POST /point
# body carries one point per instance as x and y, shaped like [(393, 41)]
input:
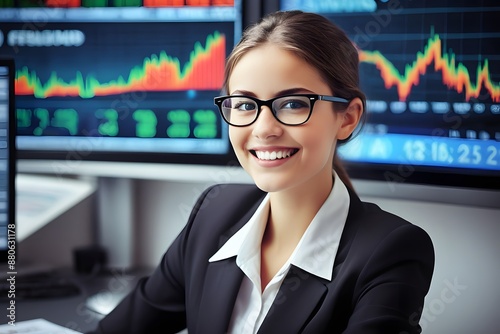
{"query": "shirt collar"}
[(318, 247), (316, 250), (246, 241)]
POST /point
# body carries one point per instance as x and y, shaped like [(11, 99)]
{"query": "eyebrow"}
[(280, 93)]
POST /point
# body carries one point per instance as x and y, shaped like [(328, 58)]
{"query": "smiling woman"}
[(299, 252), (271, 71)]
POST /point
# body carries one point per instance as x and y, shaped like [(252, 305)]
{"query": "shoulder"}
[(231, 192), (368, 218), (222, 209), (384, 267), (372, 231), (227, 199)]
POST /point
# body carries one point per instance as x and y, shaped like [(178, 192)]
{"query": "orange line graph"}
[(454, 74)]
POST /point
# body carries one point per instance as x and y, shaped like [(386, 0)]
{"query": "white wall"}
[(52, 245)]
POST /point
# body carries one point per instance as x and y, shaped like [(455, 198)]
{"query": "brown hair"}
[(316, 40)]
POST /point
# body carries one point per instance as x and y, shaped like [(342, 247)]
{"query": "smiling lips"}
[(274, 155)]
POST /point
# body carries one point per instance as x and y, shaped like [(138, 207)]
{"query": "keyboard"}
[(36, 326), (38, 287)]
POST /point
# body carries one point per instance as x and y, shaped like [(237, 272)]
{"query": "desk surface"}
[(72, 312)]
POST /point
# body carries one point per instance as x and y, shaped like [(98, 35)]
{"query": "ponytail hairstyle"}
[(317, 41)]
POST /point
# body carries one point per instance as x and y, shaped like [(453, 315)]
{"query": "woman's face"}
[(307, 150)]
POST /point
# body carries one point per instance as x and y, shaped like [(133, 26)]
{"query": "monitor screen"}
[(431, 73), (7, 166), (120, 80)]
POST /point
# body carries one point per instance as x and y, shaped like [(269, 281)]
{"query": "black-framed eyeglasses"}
[(296, 109)]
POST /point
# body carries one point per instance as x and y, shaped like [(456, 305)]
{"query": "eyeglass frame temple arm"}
[(333, 99)]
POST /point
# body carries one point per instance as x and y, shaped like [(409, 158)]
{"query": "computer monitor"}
[(121, 80), (431, 73), (7, 166)]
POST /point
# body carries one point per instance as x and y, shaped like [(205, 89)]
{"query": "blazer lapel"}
[(297, 300), (222, 283)]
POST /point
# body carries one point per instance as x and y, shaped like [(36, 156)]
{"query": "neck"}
[(293, 210)]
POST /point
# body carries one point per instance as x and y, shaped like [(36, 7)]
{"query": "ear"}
[(350, 118)]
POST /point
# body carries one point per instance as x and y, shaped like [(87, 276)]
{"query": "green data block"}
[(205, 131), (180, 120), (6, 3), (109, 122), (127, 3), (146, 123), (23, 118), (43, 120), (94, 3), (67, 119)]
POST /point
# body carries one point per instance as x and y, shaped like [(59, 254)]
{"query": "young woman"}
[(298, 252)]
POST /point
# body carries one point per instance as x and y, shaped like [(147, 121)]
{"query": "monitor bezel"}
[(422, 175), (12, 156)]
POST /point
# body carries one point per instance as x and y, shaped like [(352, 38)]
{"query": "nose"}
[(267, 125)]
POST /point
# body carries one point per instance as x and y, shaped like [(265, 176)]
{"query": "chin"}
[(270, 183)]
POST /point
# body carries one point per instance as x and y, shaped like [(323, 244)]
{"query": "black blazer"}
[(382, 272)]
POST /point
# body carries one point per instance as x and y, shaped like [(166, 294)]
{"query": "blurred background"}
[(110, 131)]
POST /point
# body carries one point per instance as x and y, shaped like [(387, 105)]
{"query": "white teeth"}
[(266, 155)]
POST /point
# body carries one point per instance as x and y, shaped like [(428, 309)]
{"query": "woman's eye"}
[(294, 104), (244, 106)]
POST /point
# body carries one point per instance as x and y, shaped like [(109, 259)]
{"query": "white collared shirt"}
[(315, 253)]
